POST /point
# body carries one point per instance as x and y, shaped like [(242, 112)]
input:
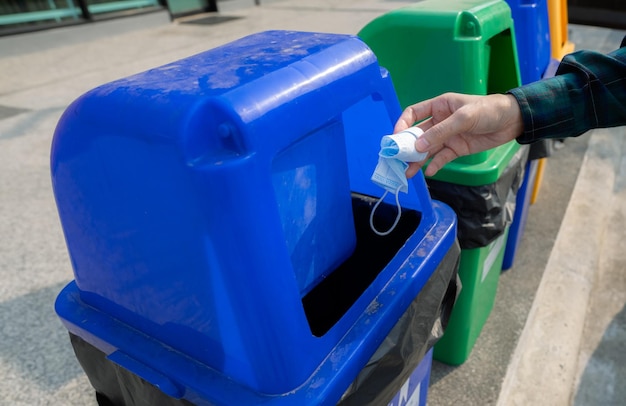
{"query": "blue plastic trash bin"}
[(214, 211), (532, 37)]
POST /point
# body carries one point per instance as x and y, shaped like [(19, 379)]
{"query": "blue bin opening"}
[(329, 300)]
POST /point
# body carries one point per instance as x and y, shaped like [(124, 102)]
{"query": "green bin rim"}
[(486, 172)]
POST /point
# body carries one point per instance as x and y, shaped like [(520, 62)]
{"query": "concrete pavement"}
[(558, 329)]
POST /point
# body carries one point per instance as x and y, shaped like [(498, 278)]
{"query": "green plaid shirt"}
[(588, 91)]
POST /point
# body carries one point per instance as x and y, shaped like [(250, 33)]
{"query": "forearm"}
[(588, 91)]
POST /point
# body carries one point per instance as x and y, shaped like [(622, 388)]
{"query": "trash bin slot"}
[(502, 62), (325, 304), (146, 373), (117, 384)]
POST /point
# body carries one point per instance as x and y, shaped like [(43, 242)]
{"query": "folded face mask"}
[(395, 151)]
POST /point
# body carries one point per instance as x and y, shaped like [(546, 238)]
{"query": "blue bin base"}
[(397, 367), (415, 389), (397, 374), (107, 378), (521, 214)]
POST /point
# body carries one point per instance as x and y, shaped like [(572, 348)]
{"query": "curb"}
[(543, 366)]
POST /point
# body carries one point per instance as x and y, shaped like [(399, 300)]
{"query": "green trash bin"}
[(464, 46), (485, 213)]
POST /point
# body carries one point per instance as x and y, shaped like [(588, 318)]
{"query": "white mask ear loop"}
[(395, 223)]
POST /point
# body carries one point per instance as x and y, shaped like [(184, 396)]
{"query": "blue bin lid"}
[(161, 183)]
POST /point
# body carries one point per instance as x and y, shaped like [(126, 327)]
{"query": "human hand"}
[(458, 124)]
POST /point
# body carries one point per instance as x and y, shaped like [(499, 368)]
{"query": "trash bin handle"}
[(146, 373)]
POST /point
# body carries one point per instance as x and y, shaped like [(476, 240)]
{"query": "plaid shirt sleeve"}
[(588, 91)]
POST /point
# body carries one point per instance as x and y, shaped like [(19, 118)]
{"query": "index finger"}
[(413, 114)]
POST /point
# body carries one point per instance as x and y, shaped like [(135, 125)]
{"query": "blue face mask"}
[(395, 151)]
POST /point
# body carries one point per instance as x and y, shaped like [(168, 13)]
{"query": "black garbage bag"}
[(485, 211), (541, 149)]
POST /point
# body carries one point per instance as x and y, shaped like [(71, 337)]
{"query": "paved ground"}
[(558, 330)]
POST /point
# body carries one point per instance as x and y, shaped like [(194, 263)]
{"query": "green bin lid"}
[(438, 46)]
